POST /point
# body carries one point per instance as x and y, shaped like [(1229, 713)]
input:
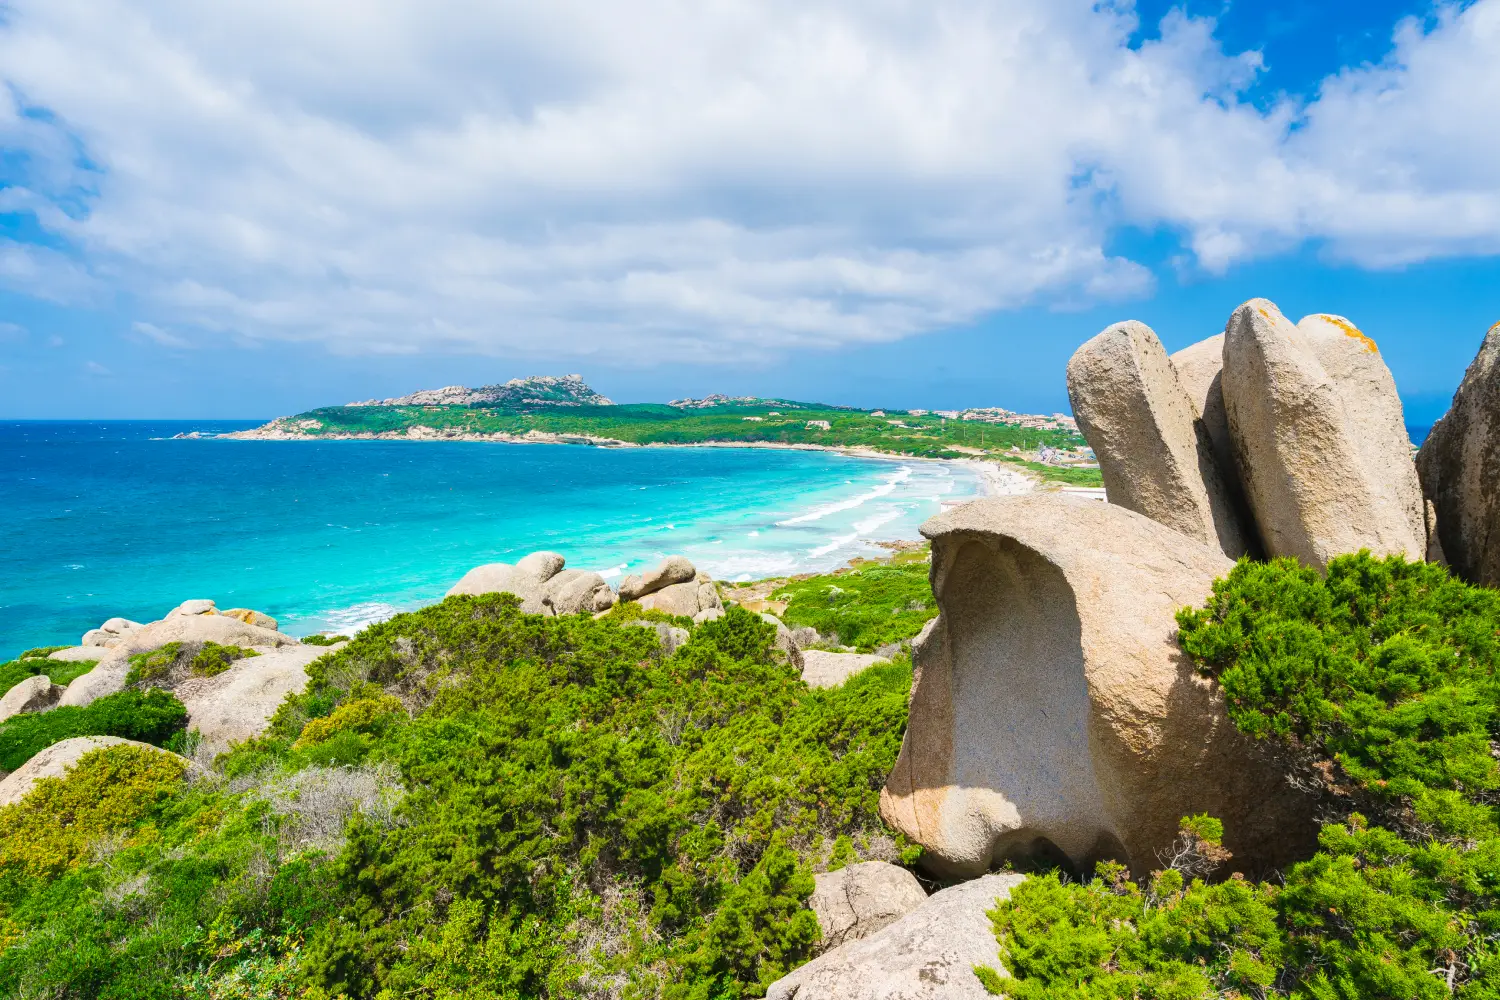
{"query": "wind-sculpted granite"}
[(525, 580), (1053, 712), (928, 954), (1316, 490), (1155, 455), (238, 704), (856, 901), (1460, 470), (34, 694)]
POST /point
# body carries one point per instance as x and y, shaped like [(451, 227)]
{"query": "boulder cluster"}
[(1053, 713)]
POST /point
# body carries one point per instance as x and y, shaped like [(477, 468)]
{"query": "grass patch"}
[(869, 606), (176, 660)]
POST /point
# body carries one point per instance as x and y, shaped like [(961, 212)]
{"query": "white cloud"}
[(670, 180), (95, 368), (12, 333), (157, 335)]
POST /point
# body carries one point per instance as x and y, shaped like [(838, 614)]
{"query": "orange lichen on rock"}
[(1350, 330)]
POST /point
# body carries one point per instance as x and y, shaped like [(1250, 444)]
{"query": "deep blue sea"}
[(118, 518)]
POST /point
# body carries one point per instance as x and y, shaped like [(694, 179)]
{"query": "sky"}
[(254, 207)]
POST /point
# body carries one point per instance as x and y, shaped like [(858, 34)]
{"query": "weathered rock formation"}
[(1460, 468), (35, 694), (854, 902), (1155, 455), (671, 570), (525, 579), (673, 587), (54, 761), (1323, 470), (575, 590), (1374, 412), (929, 954), (823, 669), (237, 705), (1053, 712)]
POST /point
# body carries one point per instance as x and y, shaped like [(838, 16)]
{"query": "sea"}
[(128, 518)]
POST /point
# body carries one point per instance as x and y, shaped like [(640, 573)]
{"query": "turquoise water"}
[(105, 519)]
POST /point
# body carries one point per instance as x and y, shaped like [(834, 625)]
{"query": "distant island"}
[(563, 409)]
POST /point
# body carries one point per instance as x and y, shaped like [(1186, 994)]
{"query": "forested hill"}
[(1050, 445)]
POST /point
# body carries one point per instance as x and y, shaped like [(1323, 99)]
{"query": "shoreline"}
[(995, 478)]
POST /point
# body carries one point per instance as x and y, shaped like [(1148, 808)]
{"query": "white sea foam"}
[(359, 616), (884, 489), (869, 524), (834, 544)]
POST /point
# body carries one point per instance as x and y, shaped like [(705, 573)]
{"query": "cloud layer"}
[(705, 181)]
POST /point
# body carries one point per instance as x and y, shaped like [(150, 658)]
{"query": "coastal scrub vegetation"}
[(58, 671), (153, 717), (869, 605), (184, 659), (470, 801), (1378, 685), (924, 436)]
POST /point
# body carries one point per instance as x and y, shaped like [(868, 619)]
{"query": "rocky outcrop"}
[(1155, 455), (1053, 713), (114, 665), (35, 694), (674, 587), (928, 954), (854, 902), (1311, 482), (525, 579), (1460, 469), (575, 590), (1374, 413), (251, 617), (822, 669), (54, 761), (237, 705), (77, 654), (784, 640), (671, 570)]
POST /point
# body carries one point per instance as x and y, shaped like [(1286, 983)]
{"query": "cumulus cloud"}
[(706, 182)]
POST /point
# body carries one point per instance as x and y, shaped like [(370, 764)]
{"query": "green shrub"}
[(1379, 684), (41, 651), (206, 659), (866, 608), (58, 671), (149, 717), (323, 640), (580, 809), (107, 790)]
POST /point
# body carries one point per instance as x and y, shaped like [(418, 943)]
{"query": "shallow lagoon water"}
[(118, 518)]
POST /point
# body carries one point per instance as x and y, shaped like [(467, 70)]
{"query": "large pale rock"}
[(928, 954), (202, 628), (671, 570), (856, 901), (541, 566), (503, 578), (35, 694), (677, 599), (107, 678), (251, 617), (1154, 453), (54, 761), (1298, 452), (1460, 467), (236, 705), (1373, 410), (77, 654), (1200, 369), (575, 590), (1052, 711), (822, 669), (119, 625), (200, 606)]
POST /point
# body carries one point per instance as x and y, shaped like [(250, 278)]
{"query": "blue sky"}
[(250, 208)]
